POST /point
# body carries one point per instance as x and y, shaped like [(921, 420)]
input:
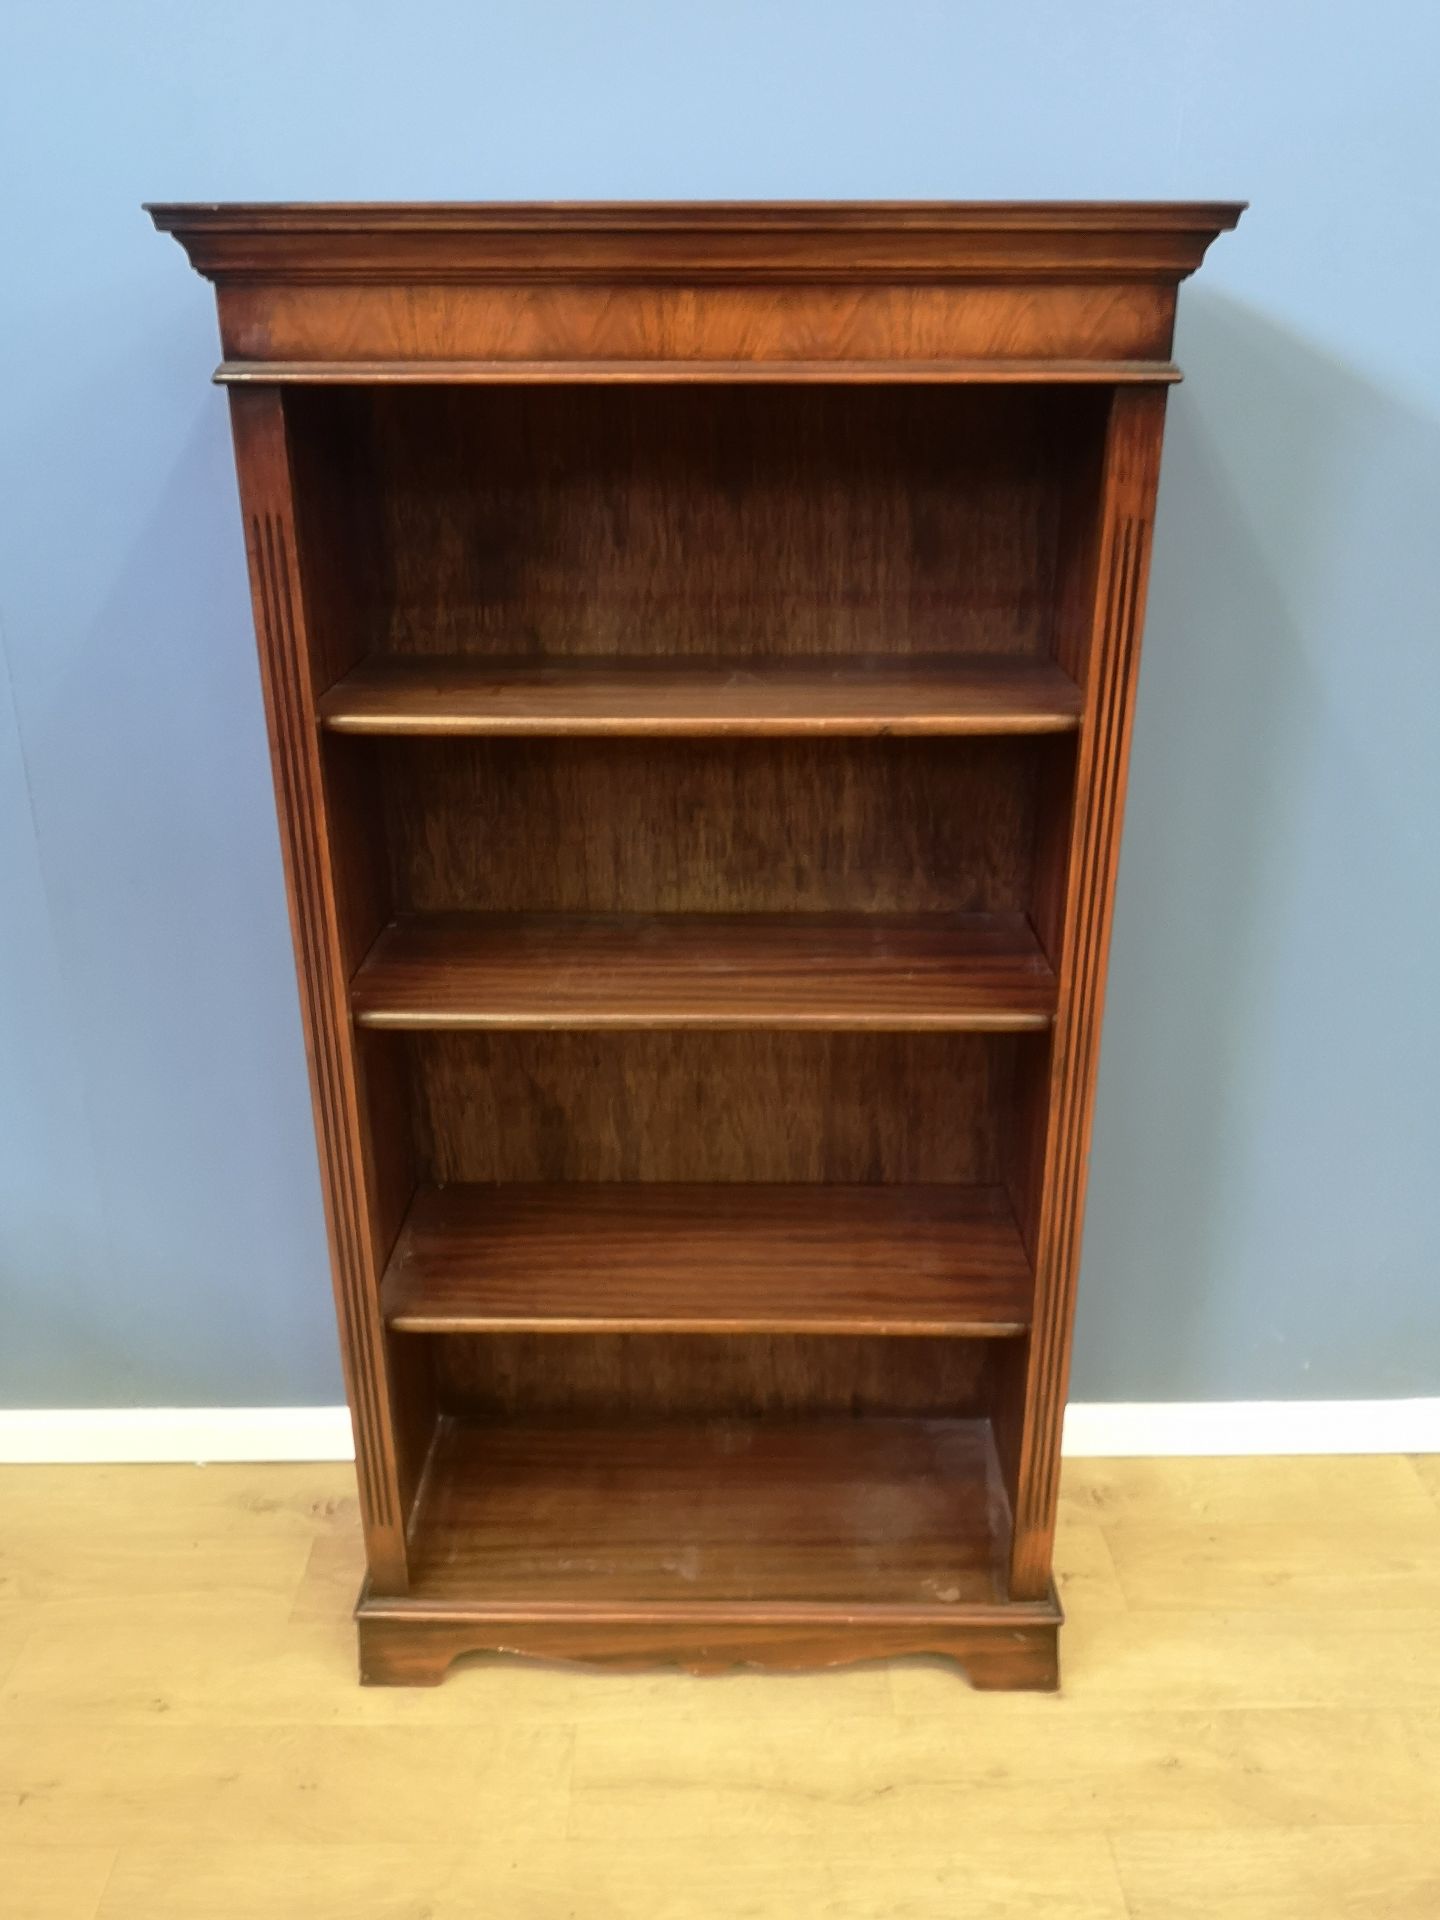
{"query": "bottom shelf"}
[(859, 1512), (777, 1544)]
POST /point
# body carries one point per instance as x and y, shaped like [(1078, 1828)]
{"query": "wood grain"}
[(851, 973), (874, 695), (890, 1512), (719, 1259), (695, 322), (712, 826), (990, 371), (863, 283), (733, 522), (600, 1379), (57, 1883), (1337, 1873), (316, 925), (846, 1108), (1010, 1648), (730, 1107), (1068, 1877), (882, 239), (1111, 666), (1023, 1768)]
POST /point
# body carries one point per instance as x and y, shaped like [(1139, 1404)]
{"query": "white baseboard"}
[(1092, 1431), (67, 1437), (1104, 1430)]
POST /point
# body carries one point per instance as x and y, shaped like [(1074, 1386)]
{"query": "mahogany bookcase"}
[(698, 646)]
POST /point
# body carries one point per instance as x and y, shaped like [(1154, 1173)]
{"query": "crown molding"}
[(725, 241)]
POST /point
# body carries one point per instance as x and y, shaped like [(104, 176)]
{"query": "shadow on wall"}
[(1240, 1187)]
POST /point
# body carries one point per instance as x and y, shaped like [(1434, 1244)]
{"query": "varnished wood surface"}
[(405, 1644), (628, 217), (597, 1379), (845, 1108), (885, 240), (901, 1512), (802, 826), (694, 320), (859, 696), (1109, 640), (577, 286), (787, 488), (694, 523), (385, 1465), (720, 1259), (1249, 1726), (961, 973), (976, 372)]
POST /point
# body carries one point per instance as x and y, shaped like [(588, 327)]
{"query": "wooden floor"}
[(1249, 1728)]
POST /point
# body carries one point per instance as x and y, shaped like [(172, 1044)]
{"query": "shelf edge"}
[(976, 372), (382, 1019), (435, 1325)]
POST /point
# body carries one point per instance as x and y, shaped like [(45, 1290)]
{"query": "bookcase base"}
[(1003, 1648)]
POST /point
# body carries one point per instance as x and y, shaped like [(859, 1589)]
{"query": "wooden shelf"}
[(933, 972), (854, 696), (889, 1512), (710, 1259)]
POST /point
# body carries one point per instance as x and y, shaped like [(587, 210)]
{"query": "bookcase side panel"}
[(342, 1134), (1107, 664)]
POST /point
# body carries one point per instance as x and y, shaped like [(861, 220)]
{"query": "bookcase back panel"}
[(679, 521), (871, 1108), (715, 826), (656, 1376)]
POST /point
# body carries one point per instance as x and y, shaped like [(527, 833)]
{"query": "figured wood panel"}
[(860, 695), (714, 826), (789, 322), (849, 1108), (854, 1511), (853, 972), (719, 1259), (715, 522)]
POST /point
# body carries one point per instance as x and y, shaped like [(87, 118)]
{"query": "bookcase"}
[(698, 646)]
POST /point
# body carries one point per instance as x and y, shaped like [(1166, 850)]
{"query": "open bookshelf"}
[(699, 646)]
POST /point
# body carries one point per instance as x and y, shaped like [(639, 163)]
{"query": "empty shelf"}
[(933, 972), (898, 1512), (710, 1259), (843, 696)]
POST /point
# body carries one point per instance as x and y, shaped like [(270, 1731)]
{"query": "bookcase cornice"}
[(745, 242)]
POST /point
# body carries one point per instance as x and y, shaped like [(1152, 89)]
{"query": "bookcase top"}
[(733, 240)]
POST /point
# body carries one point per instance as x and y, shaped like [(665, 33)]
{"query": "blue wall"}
[(1263, 1218)]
